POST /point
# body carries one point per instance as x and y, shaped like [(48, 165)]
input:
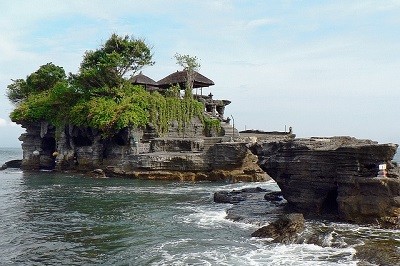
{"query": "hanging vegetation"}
[(100, 96)]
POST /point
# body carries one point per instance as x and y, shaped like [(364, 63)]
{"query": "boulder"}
[(11, 164), (228, 197), (98, 173), (235, 196), (273, 196), (283, 230)]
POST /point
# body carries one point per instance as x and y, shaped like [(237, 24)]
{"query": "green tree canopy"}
[(43, 79), (100, 96), (107, 67)]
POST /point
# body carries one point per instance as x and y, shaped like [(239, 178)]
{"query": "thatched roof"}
[(179, 77), (143, 80)]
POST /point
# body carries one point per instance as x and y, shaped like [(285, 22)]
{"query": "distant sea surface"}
[(50, 218)]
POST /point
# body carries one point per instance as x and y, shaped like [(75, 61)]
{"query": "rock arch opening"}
[(81, 141), (48, 147), (330, 205)]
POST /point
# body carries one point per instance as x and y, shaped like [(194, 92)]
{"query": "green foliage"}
[(44, 79), (52, 105), (107, 67), (135, 107), (164, 110), (101, 97), (211, 125), (190, 64), (187, 62), (17, 91), (112, 114)]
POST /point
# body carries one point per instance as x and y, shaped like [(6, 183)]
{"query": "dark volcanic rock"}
[(11, 164), (249, 205), (335, 177), (284, 230), (134, 152), (235, 196), (273, 196), (378, 252), (98, 173), (228, 197)]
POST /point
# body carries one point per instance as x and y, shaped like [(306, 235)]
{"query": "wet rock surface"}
[(236, 196), (378, 252), (285, 229), (11, 164), (274, 196), (250, 205), (98, 173)]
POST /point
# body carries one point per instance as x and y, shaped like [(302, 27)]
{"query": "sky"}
[(325, 68)]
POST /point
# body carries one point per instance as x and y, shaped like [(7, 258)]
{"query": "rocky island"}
[(106, 122), (336, 176), (118, 122)]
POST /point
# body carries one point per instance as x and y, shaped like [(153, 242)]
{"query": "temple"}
[(194, 153), (213, 108)]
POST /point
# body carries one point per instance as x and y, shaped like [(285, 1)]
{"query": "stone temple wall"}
[(84, 148)]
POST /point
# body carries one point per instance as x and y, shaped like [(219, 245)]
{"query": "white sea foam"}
[(13, 171), (256, 253), (300, 254), (212, 216), (237, 186)]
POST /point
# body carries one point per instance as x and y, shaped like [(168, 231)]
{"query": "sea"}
[(51, 218)]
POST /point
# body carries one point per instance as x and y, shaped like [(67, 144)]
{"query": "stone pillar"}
[(221, 110), (214, 110), (31, 143)]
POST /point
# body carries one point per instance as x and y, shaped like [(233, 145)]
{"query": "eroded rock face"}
[(238, 164), (335, 177), (137, 153), (38, 146)]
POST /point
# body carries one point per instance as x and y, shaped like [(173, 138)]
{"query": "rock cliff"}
[(335, 177), (139, 153)]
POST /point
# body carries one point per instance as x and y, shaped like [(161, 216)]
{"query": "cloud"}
[(279, 63), (261, 22), (3, 122)]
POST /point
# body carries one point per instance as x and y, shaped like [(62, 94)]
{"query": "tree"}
[(190, 64), (43, 79), (100, 96), (17, 91), (107, 67)]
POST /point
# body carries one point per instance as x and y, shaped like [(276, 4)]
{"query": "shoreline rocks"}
[(285, 229), (235, 196), (251, 205), (11, 164), (335, 178), (137, 153)]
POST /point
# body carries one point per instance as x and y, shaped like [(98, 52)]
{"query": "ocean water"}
[(50, 218)]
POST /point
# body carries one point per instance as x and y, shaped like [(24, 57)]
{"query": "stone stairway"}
[(229, 130), (229, 134), (211, 141)]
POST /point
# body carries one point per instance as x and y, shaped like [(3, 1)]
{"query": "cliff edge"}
[(340, 177), (137, 153)]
